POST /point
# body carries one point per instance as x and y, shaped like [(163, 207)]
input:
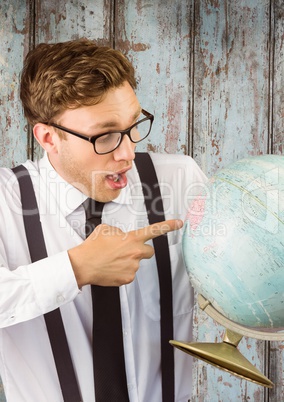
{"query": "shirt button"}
[(60, 299), (124, 332)]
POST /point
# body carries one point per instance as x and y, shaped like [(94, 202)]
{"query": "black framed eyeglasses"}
[(108, 142)]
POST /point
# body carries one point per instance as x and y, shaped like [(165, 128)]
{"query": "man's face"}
[(99, 176)]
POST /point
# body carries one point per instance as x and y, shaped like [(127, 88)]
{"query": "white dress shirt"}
[(28, 290)]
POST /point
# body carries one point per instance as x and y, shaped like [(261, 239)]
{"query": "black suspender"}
[(155, 210), (53, 319)]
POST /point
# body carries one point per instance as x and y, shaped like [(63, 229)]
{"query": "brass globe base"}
[(226, 357)]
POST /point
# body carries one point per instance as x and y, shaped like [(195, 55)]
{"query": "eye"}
[(108, 140), (105, 139)]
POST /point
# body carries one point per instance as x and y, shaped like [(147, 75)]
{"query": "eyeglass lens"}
[(108, 142)]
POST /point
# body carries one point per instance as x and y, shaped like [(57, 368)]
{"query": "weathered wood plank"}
[(14, 35), (231, 81), (58, 20), (277, 44), (155, 36)]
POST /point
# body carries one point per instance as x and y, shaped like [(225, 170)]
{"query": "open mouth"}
[(117, 180), (116, 177)]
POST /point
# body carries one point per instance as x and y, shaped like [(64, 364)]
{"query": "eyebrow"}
[(110, 123)]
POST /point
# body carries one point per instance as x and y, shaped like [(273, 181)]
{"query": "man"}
[(80, 100)]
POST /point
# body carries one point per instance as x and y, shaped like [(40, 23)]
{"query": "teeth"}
[(116, 178)]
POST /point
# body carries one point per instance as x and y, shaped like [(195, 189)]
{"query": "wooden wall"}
[(212, 72)]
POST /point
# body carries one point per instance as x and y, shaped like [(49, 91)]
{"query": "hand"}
[(110, 257)]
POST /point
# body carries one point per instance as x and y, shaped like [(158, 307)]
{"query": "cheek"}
[(80, 151), (90, 162), (80, 155)]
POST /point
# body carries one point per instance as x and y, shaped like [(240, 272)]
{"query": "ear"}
[(47, 137)]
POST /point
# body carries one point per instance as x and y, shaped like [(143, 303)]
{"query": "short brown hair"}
[(68, 75)]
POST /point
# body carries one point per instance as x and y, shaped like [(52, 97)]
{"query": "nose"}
[(125, 151)]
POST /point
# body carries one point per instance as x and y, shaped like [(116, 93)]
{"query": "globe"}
[(233, 242)]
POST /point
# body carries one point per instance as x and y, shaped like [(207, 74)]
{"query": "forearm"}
[(34, 289)]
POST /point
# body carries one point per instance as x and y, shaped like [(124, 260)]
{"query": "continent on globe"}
[(233, 242)]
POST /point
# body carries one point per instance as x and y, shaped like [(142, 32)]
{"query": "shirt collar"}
[(68, 197)]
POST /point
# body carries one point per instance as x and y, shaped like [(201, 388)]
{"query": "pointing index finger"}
[(159, 228)]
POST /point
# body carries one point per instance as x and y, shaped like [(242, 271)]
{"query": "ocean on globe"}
[(233, 242)]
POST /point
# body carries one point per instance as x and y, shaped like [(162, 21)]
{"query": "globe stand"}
[(225, 355)]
